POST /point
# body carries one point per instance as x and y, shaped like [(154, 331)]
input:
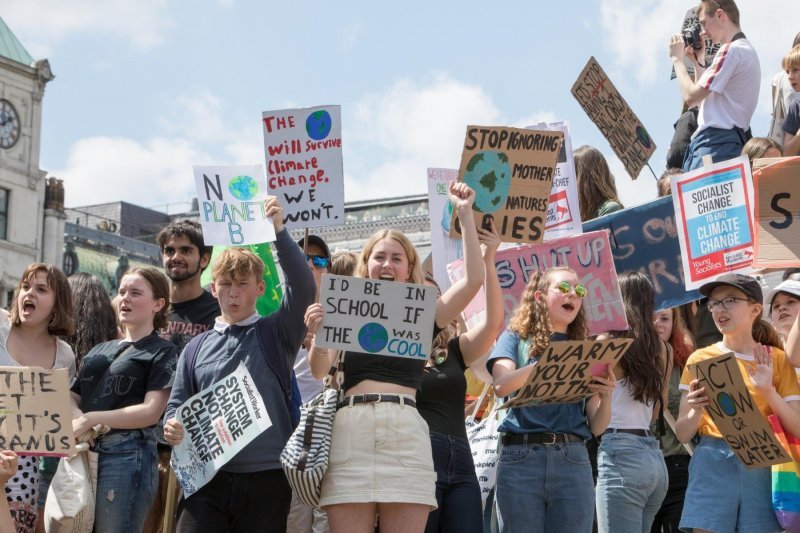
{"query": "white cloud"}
[(42, 24)]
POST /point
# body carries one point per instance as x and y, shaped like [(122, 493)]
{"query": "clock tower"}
[(29, 217)]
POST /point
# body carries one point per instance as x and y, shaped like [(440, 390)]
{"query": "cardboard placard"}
[(735, 413), (714, 215), (645, 239), (611, 113), (218, 422), (377, 317), (36, 411), (562, 374), (303, 149), (511, 171), (777, 239), (232, 205), (589, 254), (444, 248)]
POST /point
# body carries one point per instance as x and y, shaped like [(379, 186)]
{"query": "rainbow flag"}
[(786, 480)]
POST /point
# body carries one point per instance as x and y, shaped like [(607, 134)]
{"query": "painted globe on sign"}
[(489, 175), (447, 217), (726, 403), (372, 337), (243, 187), (318, 125)]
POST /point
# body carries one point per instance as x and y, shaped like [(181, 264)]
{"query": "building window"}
[(4, 213)]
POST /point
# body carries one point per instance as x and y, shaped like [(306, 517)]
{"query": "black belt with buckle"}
[(540, 438), (637, 432), (377, 398)]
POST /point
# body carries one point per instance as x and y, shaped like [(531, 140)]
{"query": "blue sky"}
[(145, 89)]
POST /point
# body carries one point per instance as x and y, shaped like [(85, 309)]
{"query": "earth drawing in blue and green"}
[(726, 403), (243, 187), (373, 337), (318, 124), (488, 173)]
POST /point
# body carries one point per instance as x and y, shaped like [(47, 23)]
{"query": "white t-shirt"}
[(309, 387), (733, 79)]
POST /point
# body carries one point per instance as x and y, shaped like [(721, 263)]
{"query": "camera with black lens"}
[(691, 37)]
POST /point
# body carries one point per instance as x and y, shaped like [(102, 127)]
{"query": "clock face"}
[(9, 124)]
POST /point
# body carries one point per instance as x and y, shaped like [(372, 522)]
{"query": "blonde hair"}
[(595, 181), (756, 147), (531, 318), (343, 263), (792, 59), (414, 270), (237, 263)]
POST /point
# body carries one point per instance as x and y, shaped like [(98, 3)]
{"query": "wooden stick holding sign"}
[(736, 414), (377, 317), (35, 411), (777, 225), (566, 368)]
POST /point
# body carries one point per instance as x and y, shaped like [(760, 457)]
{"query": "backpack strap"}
[(190, 357)]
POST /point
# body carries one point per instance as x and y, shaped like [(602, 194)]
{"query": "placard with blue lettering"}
[(714, 215), (303, 149), (218, 422), (644, 238), (376, 317), (232, 205)]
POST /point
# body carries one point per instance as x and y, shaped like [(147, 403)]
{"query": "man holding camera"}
[(725, 90)]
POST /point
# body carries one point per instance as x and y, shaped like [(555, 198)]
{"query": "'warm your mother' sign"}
[(232, 208), (377, 317)]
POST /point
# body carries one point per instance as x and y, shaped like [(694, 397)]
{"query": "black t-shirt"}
[(118, 374), (190, 318), (440, 399)]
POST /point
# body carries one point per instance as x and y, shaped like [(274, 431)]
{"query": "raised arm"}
[(691, 92)]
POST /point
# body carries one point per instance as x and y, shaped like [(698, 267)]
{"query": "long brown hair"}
[(680, 339), (531, 318), (595, 181), (641, 363), (61, 321)]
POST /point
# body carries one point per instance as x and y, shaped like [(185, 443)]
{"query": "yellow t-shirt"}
[(783, 378)]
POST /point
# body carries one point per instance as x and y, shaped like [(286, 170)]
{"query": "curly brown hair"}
[(531, 318)]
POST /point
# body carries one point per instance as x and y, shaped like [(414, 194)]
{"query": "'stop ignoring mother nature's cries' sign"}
[(303, 149), (714, 215), (376, 317), (616, 120), (777, 242), (511, 171), (232, 208)]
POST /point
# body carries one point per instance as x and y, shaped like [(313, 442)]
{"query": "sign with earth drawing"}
[(615, 118), (303, 149), (511, 171), (376, 317), (232, 205)]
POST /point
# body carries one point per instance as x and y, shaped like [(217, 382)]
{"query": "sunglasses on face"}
[(564, 287), (319, 261)]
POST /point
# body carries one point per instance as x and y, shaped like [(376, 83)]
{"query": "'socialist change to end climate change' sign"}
[(714, 215), (376, 317)]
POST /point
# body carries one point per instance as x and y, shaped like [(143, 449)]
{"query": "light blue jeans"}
[(631, 483), (127, 479), (544, 488)]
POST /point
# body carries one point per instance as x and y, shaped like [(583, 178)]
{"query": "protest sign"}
[(35, 411), (218, 422), (588, 254), (736, 414), (777, 239), (232, 205), (691, 22), (303, 148), (616, 120), (644, 238), (444, 249), (714, 216), (377, 317), (562, 374), (511, 171)]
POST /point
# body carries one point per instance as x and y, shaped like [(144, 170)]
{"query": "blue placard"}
[(645, 238)]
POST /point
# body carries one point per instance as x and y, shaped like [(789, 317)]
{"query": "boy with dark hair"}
[(250, 492)]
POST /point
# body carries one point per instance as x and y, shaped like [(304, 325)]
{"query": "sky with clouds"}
[(146, 89)]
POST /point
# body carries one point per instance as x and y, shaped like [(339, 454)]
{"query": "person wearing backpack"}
[(249, 493)]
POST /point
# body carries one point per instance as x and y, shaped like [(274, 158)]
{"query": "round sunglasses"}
[(564, 287)]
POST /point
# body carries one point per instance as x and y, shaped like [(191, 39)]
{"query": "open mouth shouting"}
[(28, 307)]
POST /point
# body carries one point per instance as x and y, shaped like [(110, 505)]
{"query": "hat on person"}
[(747, 284), (318, 242), (789, 286)]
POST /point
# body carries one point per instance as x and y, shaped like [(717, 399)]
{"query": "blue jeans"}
[(631, 483), (720, 144), (127, 479), (544, 488), (457, 491)]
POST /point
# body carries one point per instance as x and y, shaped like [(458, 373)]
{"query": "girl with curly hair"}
[(544, 478)]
